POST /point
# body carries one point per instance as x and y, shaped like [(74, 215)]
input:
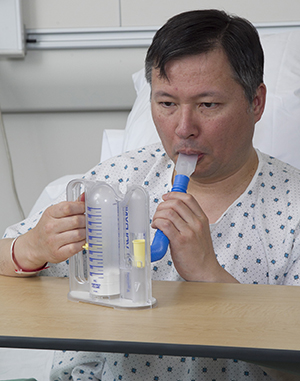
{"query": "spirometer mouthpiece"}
[(185, 166)]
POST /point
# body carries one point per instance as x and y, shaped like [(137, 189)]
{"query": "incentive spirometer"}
[(114, 268)]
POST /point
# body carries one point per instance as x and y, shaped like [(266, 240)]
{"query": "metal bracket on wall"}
[(120, 37)]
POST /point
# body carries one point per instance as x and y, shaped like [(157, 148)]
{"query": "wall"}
[(156, 12), (56, 103), (95, 13)]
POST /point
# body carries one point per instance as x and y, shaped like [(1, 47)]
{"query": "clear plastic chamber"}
[(114, 268)]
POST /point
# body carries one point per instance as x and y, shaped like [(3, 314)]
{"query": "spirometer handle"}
[(160, 242), (76, 262)]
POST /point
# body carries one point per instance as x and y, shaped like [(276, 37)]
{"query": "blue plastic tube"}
[(160, 242)]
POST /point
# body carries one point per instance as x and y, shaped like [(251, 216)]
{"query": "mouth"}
[(192, 152)]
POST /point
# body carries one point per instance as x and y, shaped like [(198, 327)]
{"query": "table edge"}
[(181, 350)]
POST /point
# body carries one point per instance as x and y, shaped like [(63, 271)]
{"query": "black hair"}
[(201, 31)]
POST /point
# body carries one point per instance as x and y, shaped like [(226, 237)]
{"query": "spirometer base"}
[(83, 296)]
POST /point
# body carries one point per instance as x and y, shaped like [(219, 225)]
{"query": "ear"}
[(259, 101)]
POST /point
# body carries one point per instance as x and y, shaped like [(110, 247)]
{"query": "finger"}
[(72, 223), (66, 208), (71, 236), (166, 226), (185, 198), (52, 226), (67, 244), (176, 210), (172, 224), (67, 251)]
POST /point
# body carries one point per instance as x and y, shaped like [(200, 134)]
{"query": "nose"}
[(187, 124)]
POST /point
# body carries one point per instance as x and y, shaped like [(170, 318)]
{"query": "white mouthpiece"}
[(186, 164)]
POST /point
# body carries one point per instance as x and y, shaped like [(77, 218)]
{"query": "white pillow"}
[(278, 132), (140, 129)]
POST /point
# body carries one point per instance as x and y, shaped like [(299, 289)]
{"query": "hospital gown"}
[(256, 240)]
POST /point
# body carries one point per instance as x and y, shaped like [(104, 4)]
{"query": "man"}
[(239, 221)]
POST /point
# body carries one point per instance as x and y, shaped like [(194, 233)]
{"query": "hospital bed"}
[(278, 133)]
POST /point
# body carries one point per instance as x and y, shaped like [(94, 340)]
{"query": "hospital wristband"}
[(17, 267)]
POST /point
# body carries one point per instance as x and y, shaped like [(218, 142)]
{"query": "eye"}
[(209, 104), (167, 104)]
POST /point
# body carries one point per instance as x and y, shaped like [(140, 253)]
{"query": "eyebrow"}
[(162, 93)]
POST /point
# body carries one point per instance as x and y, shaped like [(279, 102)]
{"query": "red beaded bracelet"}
[(17, 267)]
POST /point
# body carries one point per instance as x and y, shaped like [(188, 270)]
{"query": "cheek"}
[(232, 133), (162, 123), (165, 130), (155, 115), (165, 133)]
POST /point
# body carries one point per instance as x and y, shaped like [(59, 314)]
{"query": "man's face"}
[(201, 109)]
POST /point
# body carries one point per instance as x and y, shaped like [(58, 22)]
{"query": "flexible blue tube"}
[(160, 242)]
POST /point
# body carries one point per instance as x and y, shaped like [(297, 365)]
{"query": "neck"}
[(215, 197)]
